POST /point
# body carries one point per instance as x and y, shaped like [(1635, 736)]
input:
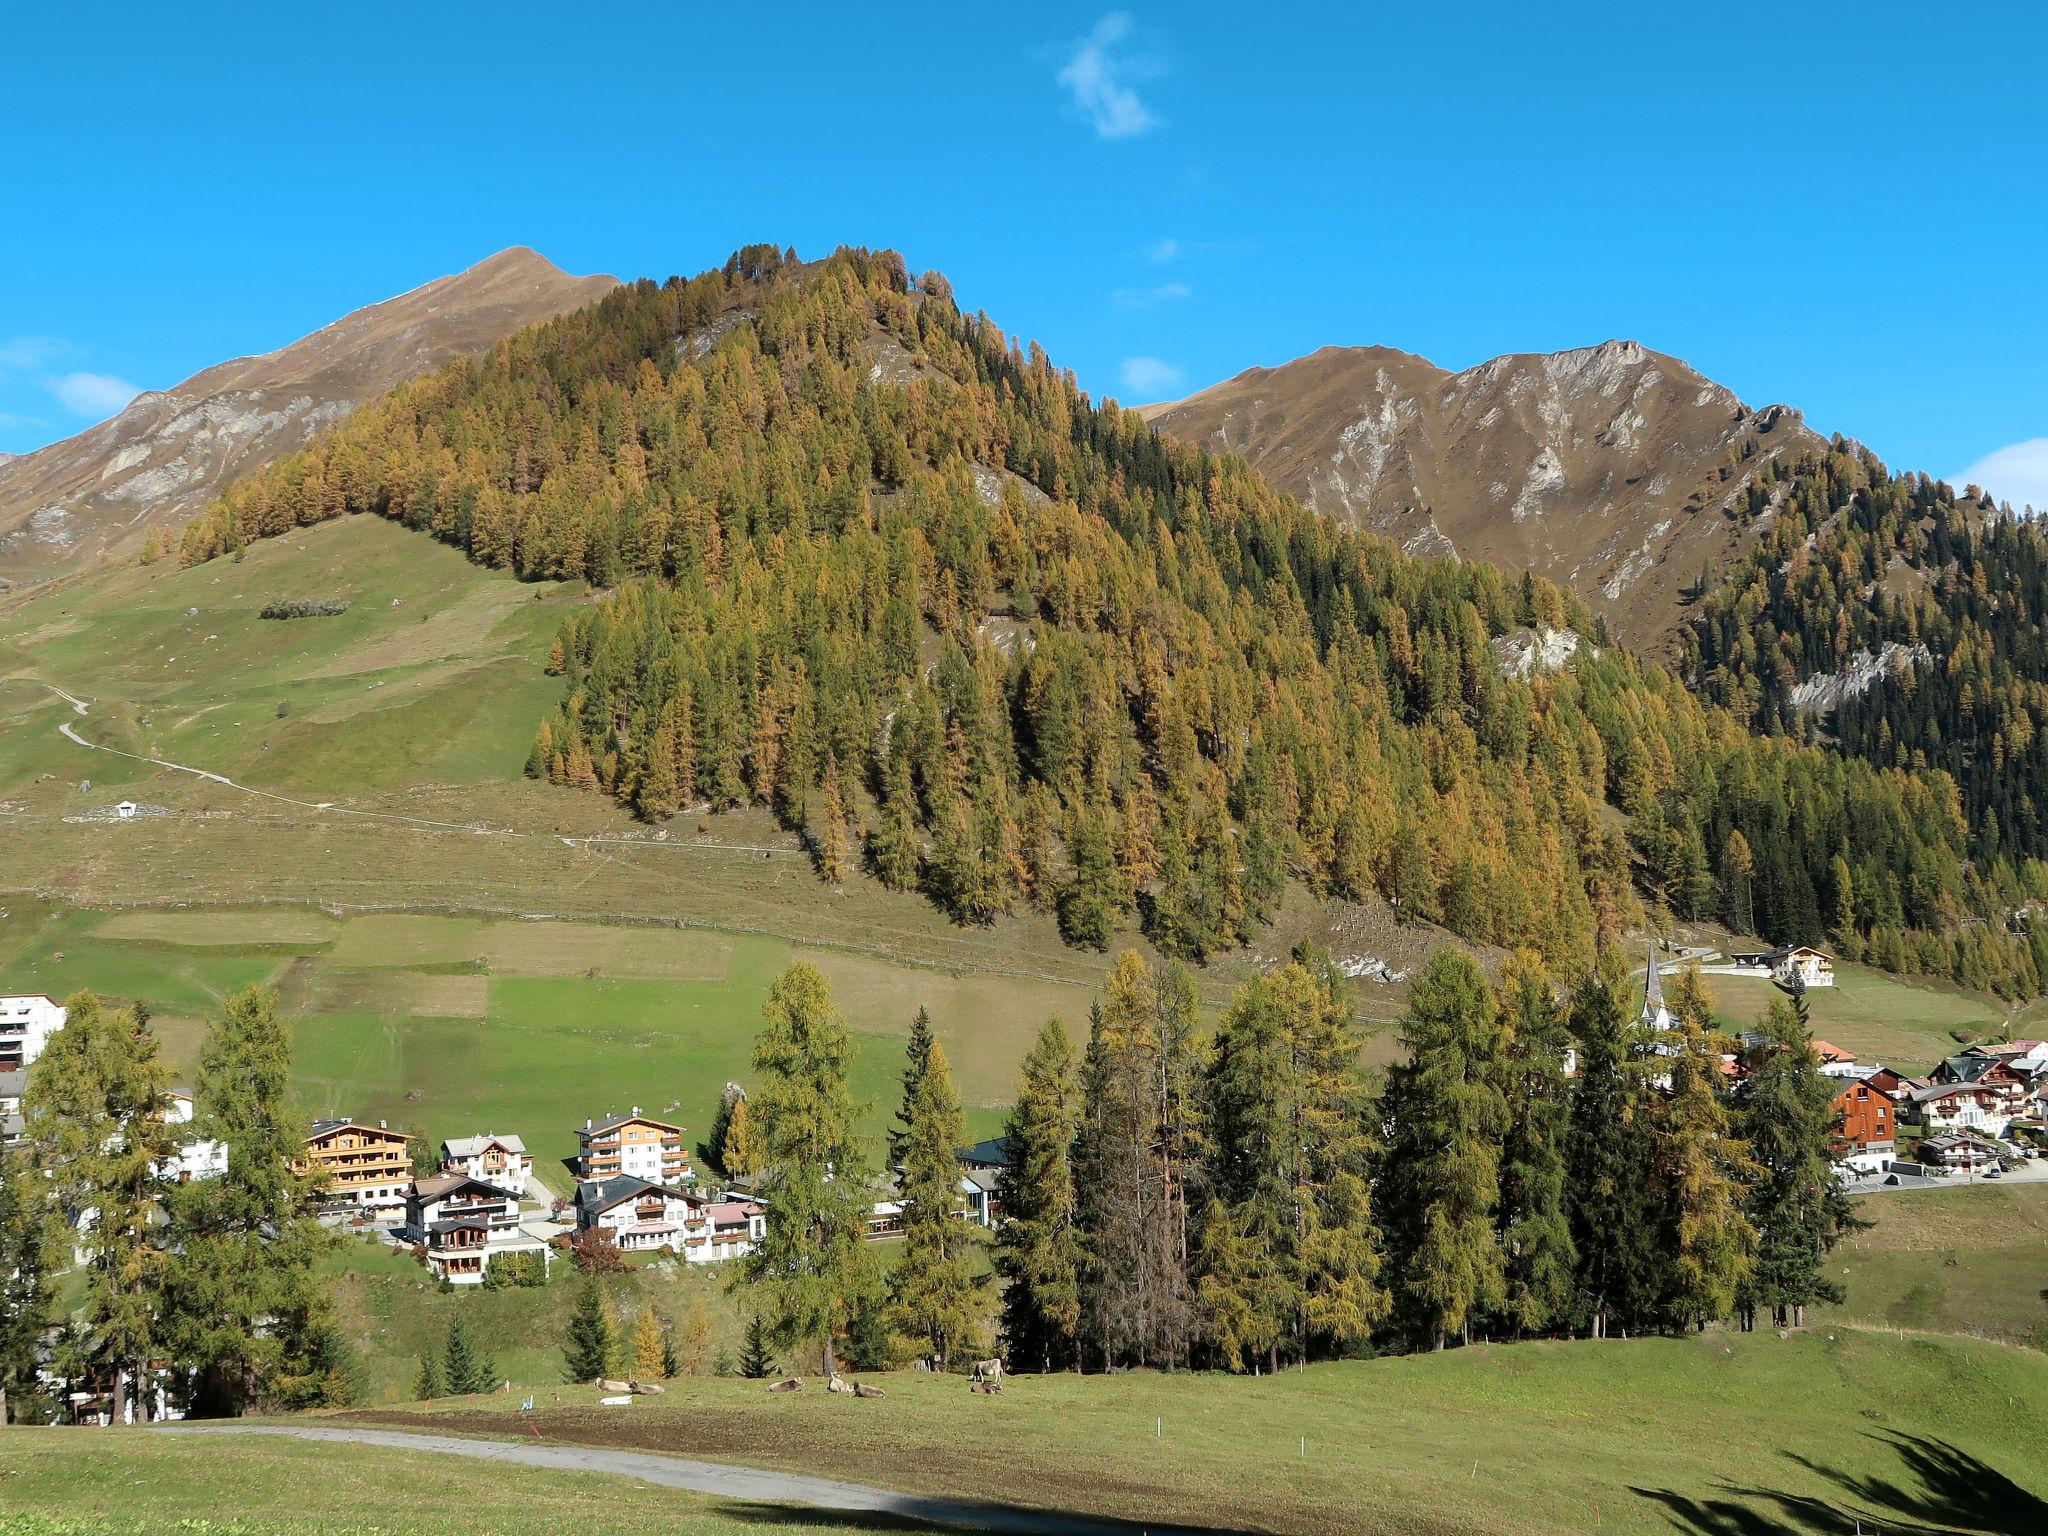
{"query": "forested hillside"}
[(1905, 622), (870, 563)]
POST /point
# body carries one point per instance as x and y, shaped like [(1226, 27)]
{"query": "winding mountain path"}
[(749, 1484)]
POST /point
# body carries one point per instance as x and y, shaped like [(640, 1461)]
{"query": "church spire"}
[(1655, 1014)]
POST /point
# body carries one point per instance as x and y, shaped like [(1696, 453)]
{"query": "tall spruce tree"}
[(1535, 1223), (247, 1244), (917, 1055), (1132, 1159), (96, 1112), (933, 1292), (1038, 1246), (27, 1275), (592, 1346), (1288, 1257), (1446, 1114), (1702, 1170), (1610, 1150), (1787, 1117), (465, 1369), (756, 1358), (811, 1268)]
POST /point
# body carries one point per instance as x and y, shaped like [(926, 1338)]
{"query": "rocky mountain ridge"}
[(162, 458), (1610, 469)]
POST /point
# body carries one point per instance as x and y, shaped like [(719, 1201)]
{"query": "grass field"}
[(1714, 1433), (1969, 1260), (459, 1025), (392, 1312), (1904, 1024), (1718, 1435), (71, 1482)]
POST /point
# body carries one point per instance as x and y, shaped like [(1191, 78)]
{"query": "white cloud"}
[(2018, 474), (1145, 298), (1096, 78), (1163, 251), (1149, 378), (95, 395)]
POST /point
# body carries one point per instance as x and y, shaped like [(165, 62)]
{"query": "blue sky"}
[(1840, 206)]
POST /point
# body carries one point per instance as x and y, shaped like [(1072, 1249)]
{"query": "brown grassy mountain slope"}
[(1605, 468), (165, 456)]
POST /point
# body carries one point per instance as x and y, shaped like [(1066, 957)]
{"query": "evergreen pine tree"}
[(26, 1273), (1447, 1118), (1787, 1117), (755, 1359), (465, 1368), (1701, 1169), (933, 1287), (427, 1385), (1038, 1246), (1090, 904), (593, 1340), (247, 1244), (811, 1266), (892, 843), (917, 1052), (1535, 1224), (1610, 1148), (96, 1123), (1132, 1159)]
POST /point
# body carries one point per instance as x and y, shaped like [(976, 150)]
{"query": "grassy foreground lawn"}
[(1625, 1435), (82, 1482), (1966, 1260)]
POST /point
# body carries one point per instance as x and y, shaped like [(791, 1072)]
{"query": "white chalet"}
[(464, 1224), (193, 1159), (13, 1084), (26, 1024), (494, 1159), (643, 1216), (639, 1214)]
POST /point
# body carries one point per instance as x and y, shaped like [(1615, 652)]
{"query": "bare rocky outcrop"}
[(1605, 468), (169, 452), (1824, 692), (1525, 653)]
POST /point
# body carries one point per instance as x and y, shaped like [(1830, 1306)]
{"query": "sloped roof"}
[(442, 1185), (613, 1122), (329, 1127), (596, 1195), (993, 1153), (472, 1146)]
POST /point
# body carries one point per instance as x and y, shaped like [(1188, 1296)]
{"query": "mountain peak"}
[(170, 451), (1592, 466)]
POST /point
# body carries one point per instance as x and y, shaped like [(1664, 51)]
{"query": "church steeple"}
[(1655, 1014)]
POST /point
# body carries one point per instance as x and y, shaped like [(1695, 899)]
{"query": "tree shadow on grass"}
[(956, 1516), (1939, 1490)]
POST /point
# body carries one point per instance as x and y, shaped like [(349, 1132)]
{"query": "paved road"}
[(749, 1484)]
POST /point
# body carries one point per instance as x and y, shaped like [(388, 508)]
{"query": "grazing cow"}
[(989, 1374)]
